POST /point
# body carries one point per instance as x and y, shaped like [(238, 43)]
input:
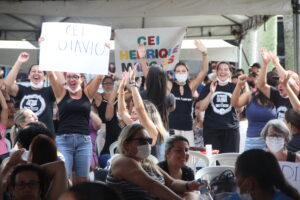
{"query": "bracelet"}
[(133, 84), (187, 186)]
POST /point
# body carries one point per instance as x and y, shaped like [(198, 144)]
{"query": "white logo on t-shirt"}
[(281, 112), (220, 102), (34, 102)]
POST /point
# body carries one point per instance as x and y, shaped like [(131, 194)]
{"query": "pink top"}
[(3, 148)]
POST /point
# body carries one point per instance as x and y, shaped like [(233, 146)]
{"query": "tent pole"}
[(296, 24)]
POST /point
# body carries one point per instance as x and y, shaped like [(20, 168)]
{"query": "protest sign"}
[(291, 172), (162, 46), (73, 47)]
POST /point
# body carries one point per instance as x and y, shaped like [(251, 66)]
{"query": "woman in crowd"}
[(106, 105), (74, 105), (292, 118), (22, 118), (144, 113), (176, 157), (259, 110), (276, 136), (156, 83), (259, 177), (221, 125), (36, 97), (136, 177), (3, 123), (181, 120)]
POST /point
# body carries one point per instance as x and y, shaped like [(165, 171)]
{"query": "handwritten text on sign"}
[(162, 46), (291, 172), (70, 47)]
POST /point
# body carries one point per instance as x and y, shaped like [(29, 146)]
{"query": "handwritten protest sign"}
[(291, 172), (162, 46), (72, 47)]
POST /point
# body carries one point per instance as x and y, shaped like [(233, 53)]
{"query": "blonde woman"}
[(143, 112), (137, 178)]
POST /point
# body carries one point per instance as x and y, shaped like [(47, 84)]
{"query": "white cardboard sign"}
[(74, 47)]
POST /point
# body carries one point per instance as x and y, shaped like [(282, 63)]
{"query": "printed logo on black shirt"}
[(220, 102), (34, 102)]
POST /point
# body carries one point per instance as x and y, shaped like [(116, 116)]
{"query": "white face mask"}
[(223, 82), (37, 86), (73, 91), (143, 151), (275, 144), (181, 77)]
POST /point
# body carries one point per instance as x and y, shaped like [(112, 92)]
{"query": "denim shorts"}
[(77, 150), (255, 143)]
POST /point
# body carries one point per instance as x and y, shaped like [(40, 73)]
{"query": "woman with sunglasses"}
[(143, 112), (74, 106), (136, 177)]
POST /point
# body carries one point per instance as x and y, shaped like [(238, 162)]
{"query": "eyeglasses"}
[(73, 77), (143, 141), (30, 184)]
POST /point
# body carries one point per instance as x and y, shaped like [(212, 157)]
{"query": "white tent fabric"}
[(146, 8)]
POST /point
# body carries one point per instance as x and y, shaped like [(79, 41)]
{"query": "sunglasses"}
[(143, 141)]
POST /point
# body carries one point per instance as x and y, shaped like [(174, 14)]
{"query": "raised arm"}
[(238, 100), (140, 108), (291, 94), (9, 81), (91, 89), (262, 76), (203, 104), (122, 110), (281, 71), (58, 90), (4, 111), (110, 108), (142, 59), (201, 75)]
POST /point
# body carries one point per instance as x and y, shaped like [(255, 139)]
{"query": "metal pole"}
[(296, 25)]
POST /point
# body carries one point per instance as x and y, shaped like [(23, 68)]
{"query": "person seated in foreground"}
[(136, 177), (90, 191), (259, 177), (176, 157), (276, 135)]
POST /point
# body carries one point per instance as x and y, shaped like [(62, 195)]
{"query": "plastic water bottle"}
[(204, 191)]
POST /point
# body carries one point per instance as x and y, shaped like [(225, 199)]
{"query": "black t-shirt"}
[(219, 113), (294, 143), (39, 101), (113, 129), (187, 172), (281, 104)]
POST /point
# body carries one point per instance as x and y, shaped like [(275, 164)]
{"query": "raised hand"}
[(266, 57), (242, 80), (213, 86), (285, 81), (200, 46), (132, 72), (23, 57), (274, 58), (141, 49)]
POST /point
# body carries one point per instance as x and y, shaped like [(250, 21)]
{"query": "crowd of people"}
[(53, 136)]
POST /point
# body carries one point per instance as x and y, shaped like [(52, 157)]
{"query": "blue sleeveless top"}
[(258, 116)]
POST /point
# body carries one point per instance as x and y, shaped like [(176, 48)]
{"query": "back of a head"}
[(43, 150), (31, 130), (265, 169), (292, 116), (93, 191)]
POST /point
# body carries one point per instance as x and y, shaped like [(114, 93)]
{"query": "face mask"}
[(37, 86), (73, 91), (275, 144), (223, 82), (143, 151), (181, 77)]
